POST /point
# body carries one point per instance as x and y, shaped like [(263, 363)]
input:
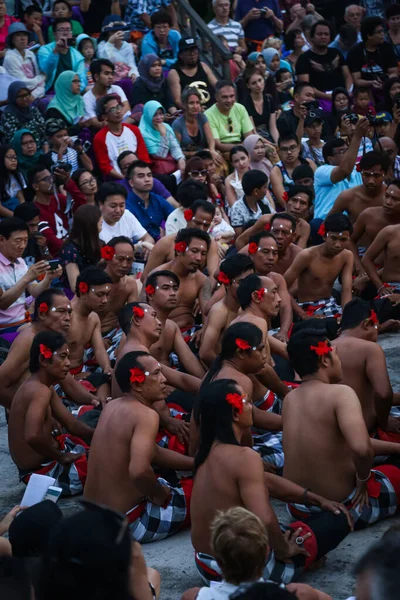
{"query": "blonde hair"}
[(272, 42), (240, 545)]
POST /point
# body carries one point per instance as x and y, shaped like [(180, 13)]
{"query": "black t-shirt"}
[(94, 17), (371, 64), (325, 70), (288, 123), (268, 108)]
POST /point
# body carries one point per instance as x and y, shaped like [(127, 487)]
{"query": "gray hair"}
[(190, 91)]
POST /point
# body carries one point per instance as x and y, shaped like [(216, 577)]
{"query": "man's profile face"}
[(14, 247), (59, 316), (391, 201), (106, 76), (153, 388), (271, 301), (59, 365)]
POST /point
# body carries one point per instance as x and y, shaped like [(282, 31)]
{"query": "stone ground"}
[(174, 557)]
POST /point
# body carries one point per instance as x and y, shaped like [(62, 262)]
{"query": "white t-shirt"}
[(128, 225), (175, 221), (218, 591), (90, 100)]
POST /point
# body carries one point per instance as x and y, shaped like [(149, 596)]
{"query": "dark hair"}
[(252, 180), (237, 149), (76, 175), (301, 189), (355, 312), (120, 239), (287, 137), (46, 296), (95, 66), (32, 8), (224, 83), (286, 217), (368, 26), (186, 93), (137, 164), (111, 188), (235, 265), (126, 313), (123, 155), (189, 191), (187, 235), (204, 154), (195, 162), (300, 85), (50, 339), (281, 72), (338, 222), (84, 232), (204, 205), (247, 286), (92, 276), (257, 237), (26, 211), (330, 146), (261, 590), (159, 17), (215, 417), (15, 582), (392, 11), (302, 171), (60, 20), (11, 224), (102, 102), (317, 23), (336, 92), (372, 159), (153, 278), (395, 182), (381, 561), (248, 73), (361, 89), (53, 126), (290, 37), (348, 34), (34, 171), (304, 360), (130, 360), (62, 2)]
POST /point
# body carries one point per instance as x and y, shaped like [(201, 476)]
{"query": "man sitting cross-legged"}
[(316, 269), (326, 443), (228, 474), (34, 445), (124, 450)]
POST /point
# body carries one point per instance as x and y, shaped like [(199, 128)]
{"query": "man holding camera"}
[(62, 148), (60, 56), (259, 19), (293, 120)]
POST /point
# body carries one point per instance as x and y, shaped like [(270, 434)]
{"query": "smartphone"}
[(86, 145), (70, 42), (54, 264), (53, 493)]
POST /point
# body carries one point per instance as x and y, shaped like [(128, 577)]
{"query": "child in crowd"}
[(363, 103), (284, 86), (312, 147), (33, 19), (220, 228), (62, 9), (114, 47), (87, 46)]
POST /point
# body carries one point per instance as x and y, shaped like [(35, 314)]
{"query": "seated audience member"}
[(26, 149), (52, 204), (21, 278), (36, 248), (61, 150), (21, 114), (304, 175), (254, 202), (289, 150), (217, 169), (222, 24), (192, 129), (294, 44), (259, 150), (189, 71), (120, 485), (87, 46), (346, 39), (239, 157), (260, 105), (12, 182), (29, 536), (223, 407), (338, 173), (87, 185), (150, 209), (151, 85), (33, 20), (161, 40), (60, 56), (316, 269), (34, 407), (196, 170), (303, 96), (114, 48), (283, 226), (346, 453), (67, 103), (300, 200), (160, 140), (341, 105), (312, 147), (81, 249), (6, 22), (116, 220), (229, 121), (363, 104), (21, 63), (139, 21), (61, 9), (115, 136), (102, 71), (188, 192), (383, 124)]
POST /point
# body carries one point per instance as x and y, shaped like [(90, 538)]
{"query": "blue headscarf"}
[(22, 114), (151, 136)]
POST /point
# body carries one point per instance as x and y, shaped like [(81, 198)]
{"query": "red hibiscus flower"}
[(285, 196), (83, 287), (322, 230), (107, 252), (138, 312), (137, 375), (236, 400), (45, 351), (242, 344), (223, 278), (253, 248), (181, 246), (374, 318), (322, 348), (267, 227), (358, 168), (188, 214), (149, 289), (260, 293), (43, 308)]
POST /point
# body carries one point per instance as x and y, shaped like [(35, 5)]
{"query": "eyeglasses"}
[(48, 179), (28, 143), (195, 173), (88, 181), (63, 30), (230, 125), (114, 109), (289, 149), (11, 157)]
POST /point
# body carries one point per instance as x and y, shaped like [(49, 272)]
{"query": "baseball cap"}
[(15, 28), (313, 116), (114, 23), (383, 117), (187, 43)]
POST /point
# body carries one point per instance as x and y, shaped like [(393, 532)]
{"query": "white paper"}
[(36, 489)]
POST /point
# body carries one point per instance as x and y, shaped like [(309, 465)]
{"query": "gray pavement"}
[(174, 557)]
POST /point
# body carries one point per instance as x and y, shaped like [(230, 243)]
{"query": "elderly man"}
[(222, 24), (229, 121), (353, 16)]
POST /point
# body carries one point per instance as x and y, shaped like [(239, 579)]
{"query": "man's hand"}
[(9, 518), (62, 175), (282, 336), (362, 127), (359, 284), (303, 111), (390, 325), (118, 36), (268, 13), (336, 508), (61, 45), (254, 13), (180, 429), (51, 275), (386, 290), (36, 270), (163, 497), (292, 548), (68, 458), (66, 141), (377, 84), (361, 498)]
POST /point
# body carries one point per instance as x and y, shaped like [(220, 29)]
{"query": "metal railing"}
[(212, 50)]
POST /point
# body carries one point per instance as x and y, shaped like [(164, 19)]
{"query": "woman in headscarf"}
[(256, 146), (274, 61), (20, 113), (26, 150), (67, 104), (256, 60), (151, 85), (160, 140)]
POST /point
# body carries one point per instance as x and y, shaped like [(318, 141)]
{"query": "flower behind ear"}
[(322, 230)]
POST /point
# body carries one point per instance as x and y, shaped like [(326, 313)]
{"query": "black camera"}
[(352, 117), (311, 105), (370, 117), (61, 165)]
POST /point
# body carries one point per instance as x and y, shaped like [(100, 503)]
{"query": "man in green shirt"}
[(229, 121)]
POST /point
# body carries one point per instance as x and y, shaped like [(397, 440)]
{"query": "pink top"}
[(4, 30), (10, 274)]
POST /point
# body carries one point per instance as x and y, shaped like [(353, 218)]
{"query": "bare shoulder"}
[(93, 319), (164, 266), (339, 392), (276, 278), (347, 254)]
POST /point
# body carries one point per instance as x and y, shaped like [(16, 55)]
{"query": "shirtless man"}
[(162, 289), (326, 443), (283, 227), (232, 270), (123, 453), (191, 249), (34, 447), (263, 250), (52, 312), (316, 269), (298, 204), (198, 216), (229, 474), (389, 147)]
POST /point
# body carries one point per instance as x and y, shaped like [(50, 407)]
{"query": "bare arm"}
[(285, 312), (210, 337), (341, 203), (277, 184), (358, 232), (72, 272), (377, 246), (133, 291), (347, 278), (76, 392), (270, 379), (99, 349), (305, 230), (273, 128), (184, 382), (168, 459), (264, 419), (186, 356), (210, 75), (376, 371), (69, 422), (36, 415), (205, 294), (13, 368), (158, 256), (348, 80), (230, 192), (299, 265), (175, 87), (349, 159), (213, 260)]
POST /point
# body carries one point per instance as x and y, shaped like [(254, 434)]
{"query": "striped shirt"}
[(232, 31)]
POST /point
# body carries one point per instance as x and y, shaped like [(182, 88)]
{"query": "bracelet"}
[(381, 288), (363, 480), (305, 498)]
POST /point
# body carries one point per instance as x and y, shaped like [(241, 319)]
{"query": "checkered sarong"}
[(71, 478), (150, 523), (270, 402), (269, 447), (114, 337), (326, 307), (382, 499)]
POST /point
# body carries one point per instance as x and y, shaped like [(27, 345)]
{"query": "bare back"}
[(121, 292)]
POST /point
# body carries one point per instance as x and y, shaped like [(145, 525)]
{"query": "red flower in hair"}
[(138, 312), (236, 400), (267, 227), (181, 246), (149, 289), (188, 214), (260, 293), (223, 278), (83, 287), (322, 348), (137, 375), (242, 344), (253, 248), (43, 307), (322, 230), (358, 168), (374, 318), (285, 196), (45, 351), (107, 252)]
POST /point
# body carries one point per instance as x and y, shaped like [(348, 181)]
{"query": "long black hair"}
[(5, 174)]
